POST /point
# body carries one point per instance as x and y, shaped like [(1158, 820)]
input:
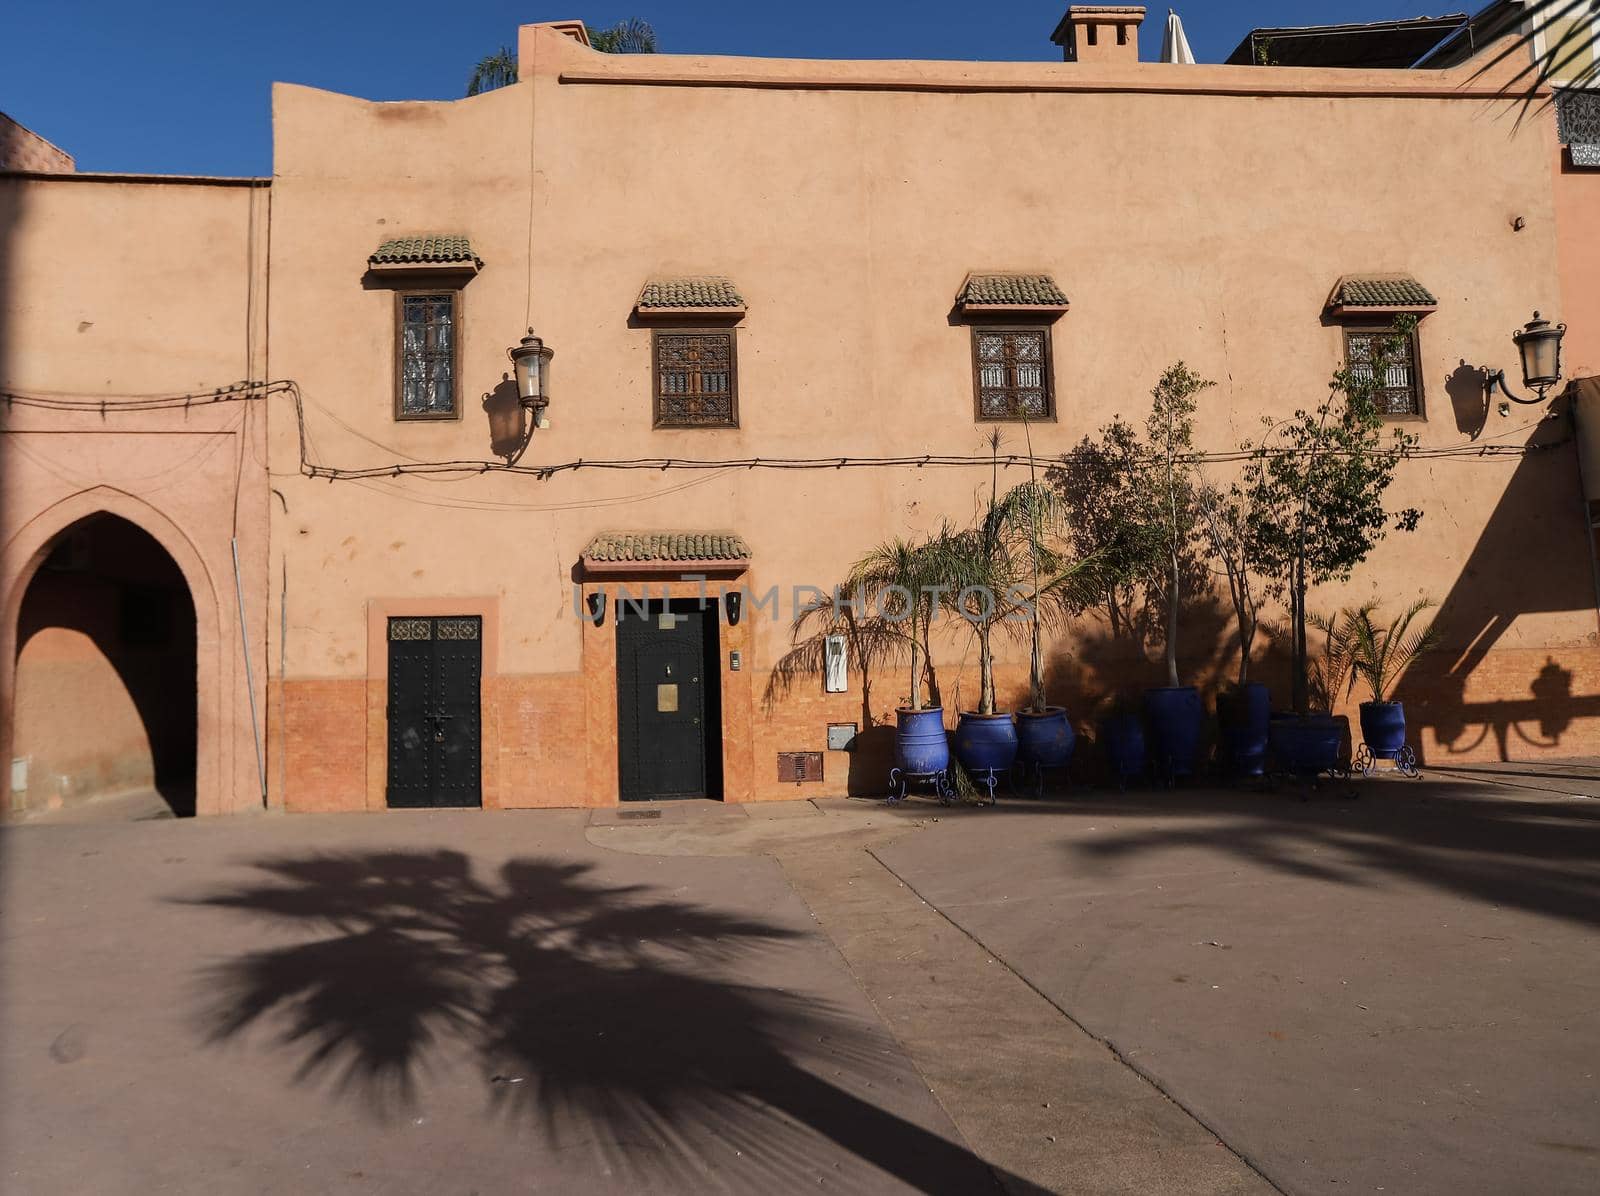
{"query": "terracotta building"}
[(774, 304)]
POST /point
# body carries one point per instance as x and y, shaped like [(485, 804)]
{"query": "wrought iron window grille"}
[(1578, 125), (1400, 392), (696, 378), (1011, 373), (427, 332)]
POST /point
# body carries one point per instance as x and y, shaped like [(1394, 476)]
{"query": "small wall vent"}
[(799, 768)]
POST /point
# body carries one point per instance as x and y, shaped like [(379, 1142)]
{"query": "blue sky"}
[(182, 86)]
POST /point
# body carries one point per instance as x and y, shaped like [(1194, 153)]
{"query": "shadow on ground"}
[(1537, 855), (597, 1013)]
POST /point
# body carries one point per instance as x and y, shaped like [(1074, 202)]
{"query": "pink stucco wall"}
[(23, 149), (1196, 213), (111, 290), (1200, 213)]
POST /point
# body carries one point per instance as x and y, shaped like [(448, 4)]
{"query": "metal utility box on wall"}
[(836, 665), (841, 736), (799, 767)]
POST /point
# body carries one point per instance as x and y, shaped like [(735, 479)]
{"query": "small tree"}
[(1316, 485), (1108, 499), (1170, 429), (1225, 518)]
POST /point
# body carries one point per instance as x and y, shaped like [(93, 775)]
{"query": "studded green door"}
[(435, 666)]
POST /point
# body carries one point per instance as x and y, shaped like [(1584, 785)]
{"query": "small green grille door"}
[(435, 668)]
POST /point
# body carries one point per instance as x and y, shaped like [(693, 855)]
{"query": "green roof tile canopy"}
[(1011, 292), (1382, 293), (617, 548), (707, 293), (430, 252)]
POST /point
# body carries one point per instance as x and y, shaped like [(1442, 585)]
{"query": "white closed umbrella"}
[(1174, 45)]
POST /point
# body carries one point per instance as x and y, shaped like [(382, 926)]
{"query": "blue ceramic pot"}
[(920, 744), (1123, 737), (985, 742), (1045, 739), (1245, 715), (1383, 726), (1176, 718), (1306, 746)]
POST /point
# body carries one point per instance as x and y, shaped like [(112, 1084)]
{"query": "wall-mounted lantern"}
[(1539, 345), (597, 607), (733, 603), (531, 360)]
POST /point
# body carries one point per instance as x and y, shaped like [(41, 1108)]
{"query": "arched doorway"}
[(105, 685)]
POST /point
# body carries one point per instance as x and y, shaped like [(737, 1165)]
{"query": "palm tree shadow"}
[(596, 1012)]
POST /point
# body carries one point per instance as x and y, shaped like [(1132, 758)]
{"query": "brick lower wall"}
[(319, 744), (330, 738)]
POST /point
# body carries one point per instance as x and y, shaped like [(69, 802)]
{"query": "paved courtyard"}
[(1397, 993), (1185, 993)]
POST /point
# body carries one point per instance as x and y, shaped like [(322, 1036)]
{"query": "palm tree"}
[(900, 578), (1565, 29), (630, 36), (1331, 676), (497, 70), (1010, 572), (1380, 655), (872, 640)]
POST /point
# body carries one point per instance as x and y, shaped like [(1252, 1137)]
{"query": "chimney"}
[(1100, 33)]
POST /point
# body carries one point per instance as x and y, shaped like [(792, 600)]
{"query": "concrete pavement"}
[(1396, 993), (435, 1003), (1181, 993)]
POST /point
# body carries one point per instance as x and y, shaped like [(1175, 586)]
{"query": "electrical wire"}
[(311, 462)]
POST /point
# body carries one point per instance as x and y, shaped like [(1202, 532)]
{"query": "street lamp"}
[(531, 360), (1539, 344)]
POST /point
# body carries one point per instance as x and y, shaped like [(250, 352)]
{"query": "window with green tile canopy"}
[(1011, 373), (427, 331)]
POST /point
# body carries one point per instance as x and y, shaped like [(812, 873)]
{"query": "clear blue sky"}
[(182, 86)]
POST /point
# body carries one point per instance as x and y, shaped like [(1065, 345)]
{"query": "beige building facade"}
[(767, 285)]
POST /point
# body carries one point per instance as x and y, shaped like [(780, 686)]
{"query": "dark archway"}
[(105, 672)]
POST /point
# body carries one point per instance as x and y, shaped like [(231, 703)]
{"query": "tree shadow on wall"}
[(875, 650), (1531, 558), (594, 1012), (1103, 673)]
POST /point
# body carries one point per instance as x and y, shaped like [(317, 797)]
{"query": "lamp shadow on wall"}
[(600, 1017), (1532, 558), (510, 428), (1468, 389)]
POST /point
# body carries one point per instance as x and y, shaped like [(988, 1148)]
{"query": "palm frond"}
[(494, 70), (1331, 673), (1381, 654), (632, 35), (1566, 28)]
